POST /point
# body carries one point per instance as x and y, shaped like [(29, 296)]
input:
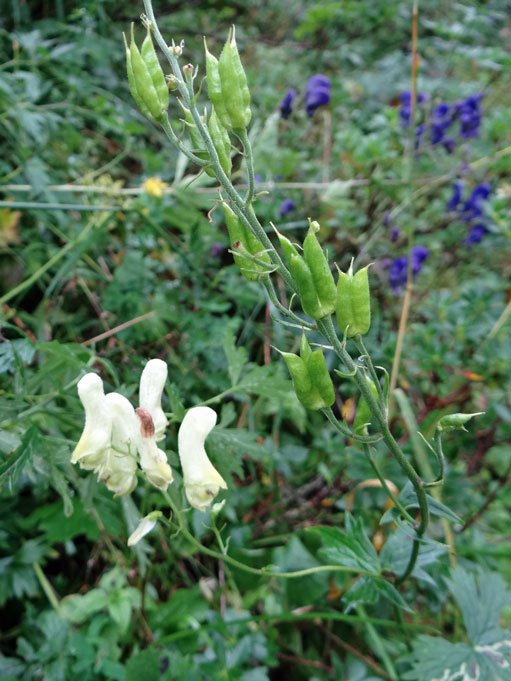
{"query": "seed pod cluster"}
[(311, 380), (228, 87), (242, 240), (311, 274), (353, 304), (146, 79)]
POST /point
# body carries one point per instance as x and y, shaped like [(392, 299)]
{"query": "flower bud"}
[(202, 481), (146, 525), (456, 421)]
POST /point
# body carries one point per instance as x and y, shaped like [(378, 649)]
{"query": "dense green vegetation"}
[(114, 250)]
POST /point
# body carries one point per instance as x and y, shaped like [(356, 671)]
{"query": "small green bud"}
[(353, 304), (455, 421)]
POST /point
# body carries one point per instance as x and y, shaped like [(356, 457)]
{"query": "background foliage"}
[(92, 277)]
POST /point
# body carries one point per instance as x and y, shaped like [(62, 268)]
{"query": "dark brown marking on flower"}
[(146, 422)]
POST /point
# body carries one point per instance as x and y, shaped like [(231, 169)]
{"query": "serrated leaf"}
[(351, 548), (227, 446), (11, 469), (262, 381), (20, 351), (480, 596)]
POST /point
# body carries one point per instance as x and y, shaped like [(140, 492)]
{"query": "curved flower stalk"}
[(115, 435), (201, 479)]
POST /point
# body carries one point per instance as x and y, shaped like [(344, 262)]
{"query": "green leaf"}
[(11, 469), (79, 608), (408, 498), (351, 548), (236, 357), (396, 551), (144, 665), (480, 596)]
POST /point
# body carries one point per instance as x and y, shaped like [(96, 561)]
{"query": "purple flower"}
[(317, 93), (287, 206), (419, 254), (441, 121), (405, 112), (474, 206), (476, 234), (216, 249), (399, 267), (470, 115), (457, 195), (449, 144), (394, 233), (286, 105), (397, 273)]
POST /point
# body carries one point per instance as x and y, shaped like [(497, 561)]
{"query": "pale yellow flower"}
[(202, 481), (154, 186)]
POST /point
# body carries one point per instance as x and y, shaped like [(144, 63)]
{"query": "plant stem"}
[(249, 162), (327, 328)]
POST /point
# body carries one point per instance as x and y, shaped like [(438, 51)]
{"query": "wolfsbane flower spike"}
[(202, 481)]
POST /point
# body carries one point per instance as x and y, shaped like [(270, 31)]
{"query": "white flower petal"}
[(152, 383), (201, 479), (92, 448), (119, 472), (146, 525)]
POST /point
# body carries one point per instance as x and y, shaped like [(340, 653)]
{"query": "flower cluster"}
[(317, 93), (398, 270), (466, 112), (471, 210), (117, 438)]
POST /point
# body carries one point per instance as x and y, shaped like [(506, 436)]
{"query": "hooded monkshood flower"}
[(470, 115), (317, 93), (476, 234), (473, 207), (398, 272), (441, 121), (457, 195), (286, 105), (287, 206), (405, 112), (201, 479), (114, 434)]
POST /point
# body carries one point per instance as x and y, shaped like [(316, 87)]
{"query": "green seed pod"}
[(353, 305), (234, 86), (143, 84), (221, 142), (239, 236), (302, 384), (199, 148), (215, 89), (305, 284), (133, 85), (311, 380), (288, 249), (315, 258), (150, 58), (456, 421), (320, 377)]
